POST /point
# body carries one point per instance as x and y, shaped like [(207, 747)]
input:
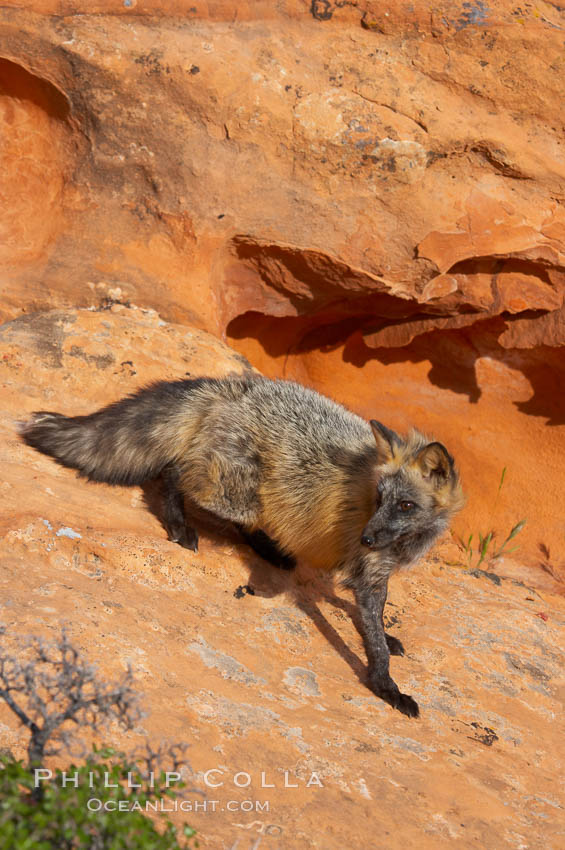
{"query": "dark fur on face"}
[(417, 491), (405, 519)]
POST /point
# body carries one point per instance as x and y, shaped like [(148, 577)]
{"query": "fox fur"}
[(298, 474)]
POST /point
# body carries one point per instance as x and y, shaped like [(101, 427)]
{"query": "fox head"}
[(417, 492)]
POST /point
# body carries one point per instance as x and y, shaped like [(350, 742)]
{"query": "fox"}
[(301, 477)]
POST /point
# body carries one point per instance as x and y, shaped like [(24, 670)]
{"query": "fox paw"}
[(184, 536), (391, 695), (395, 646)]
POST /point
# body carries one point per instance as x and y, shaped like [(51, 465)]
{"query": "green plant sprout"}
[(487, 548)]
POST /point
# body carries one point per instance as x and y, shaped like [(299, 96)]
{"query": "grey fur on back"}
[(282, 458)]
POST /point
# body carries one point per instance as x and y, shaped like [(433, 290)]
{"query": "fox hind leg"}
[(174, 517)]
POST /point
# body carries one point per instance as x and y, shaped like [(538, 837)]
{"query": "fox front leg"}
[(371, 601)]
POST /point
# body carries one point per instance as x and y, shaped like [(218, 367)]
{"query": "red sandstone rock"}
[(300, 158), (273, 682), (368, 198)]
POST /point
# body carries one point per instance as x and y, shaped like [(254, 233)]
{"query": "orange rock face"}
[(327, 173), (261, 671), (399, 170), (365, 197)]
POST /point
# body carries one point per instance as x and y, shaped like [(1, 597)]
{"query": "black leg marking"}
[(174, 518), (268, 549), (371, 602), (395, 646)]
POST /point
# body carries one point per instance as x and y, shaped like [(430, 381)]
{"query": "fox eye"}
[(405, 506)]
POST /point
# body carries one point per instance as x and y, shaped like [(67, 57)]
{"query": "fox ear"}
[(434, 461), (386, 439)]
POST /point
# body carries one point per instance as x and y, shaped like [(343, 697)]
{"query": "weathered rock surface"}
[(306, 176), (366, 197), (272, 680), (402, 169)]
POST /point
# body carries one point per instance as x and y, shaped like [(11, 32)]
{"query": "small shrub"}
[(57, 697), (62, 820)]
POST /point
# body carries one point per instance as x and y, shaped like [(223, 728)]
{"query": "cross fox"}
[(300, 476)]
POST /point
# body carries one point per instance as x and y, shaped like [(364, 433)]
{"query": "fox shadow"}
[(305, 588)]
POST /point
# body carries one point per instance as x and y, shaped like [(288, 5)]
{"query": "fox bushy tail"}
[(127, 443)]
